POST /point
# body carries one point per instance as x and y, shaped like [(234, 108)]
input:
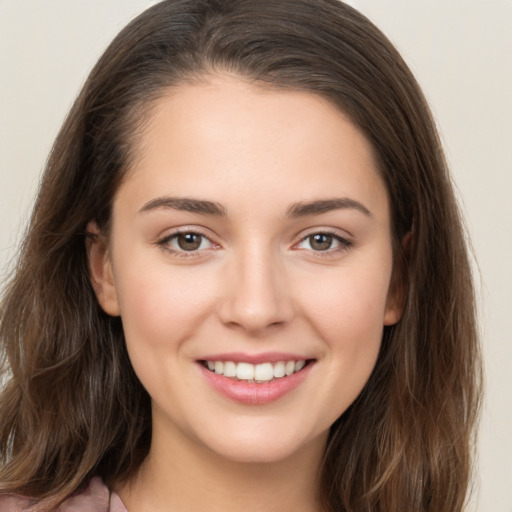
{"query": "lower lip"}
[(251, 393)]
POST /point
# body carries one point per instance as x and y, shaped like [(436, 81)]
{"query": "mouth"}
[(255, 379), (262, 373)]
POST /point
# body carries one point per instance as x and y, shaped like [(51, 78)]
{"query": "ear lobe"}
[(394, 306), (100, 269), (395, 302)]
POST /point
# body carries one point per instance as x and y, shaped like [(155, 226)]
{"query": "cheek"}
[(162, 304), (161, 307), (347, 314), (352, 301)]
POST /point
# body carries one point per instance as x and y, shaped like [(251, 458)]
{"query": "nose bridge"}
[(258, 297)]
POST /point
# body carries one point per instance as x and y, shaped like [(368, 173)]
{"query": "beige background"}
[(461, 52)]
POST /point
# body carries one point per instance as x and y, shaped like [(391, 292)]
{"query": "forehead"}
[(227, 136)]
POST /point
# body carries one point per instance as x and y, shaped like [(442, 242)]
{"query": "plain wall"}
[(461, 52)]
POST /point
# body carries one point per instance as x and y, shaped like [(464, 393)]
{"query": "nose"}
[(257, 297)]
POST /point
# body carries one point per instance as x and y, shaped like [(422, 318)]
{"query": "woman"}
[(245, 282)]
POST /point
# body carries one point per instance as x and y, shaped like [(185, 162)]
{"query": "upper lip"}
[(265, 357)]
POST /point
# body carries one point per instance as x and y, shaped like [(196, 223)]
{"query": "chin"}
[(265, 447)]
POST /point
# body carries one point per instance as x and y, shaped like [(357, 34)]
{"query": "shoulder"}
[(96, 497)]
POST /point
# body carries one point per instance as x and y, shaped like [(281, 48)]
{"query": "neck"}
[(184, 476)]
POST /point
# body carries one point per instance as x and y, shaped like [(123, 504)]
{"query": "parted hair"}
[(72, 406)]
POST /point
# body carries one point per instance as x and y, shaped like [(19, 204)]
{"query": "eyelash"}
[(343, 246), (164, 243)]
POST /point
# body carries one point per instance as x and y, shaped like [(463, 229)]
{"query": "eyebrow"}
[(326, 205), (186, 204), (300, 209)]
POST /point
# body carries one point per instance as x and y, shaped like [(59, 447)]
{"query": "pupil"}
[(189, 241), (321, 242)]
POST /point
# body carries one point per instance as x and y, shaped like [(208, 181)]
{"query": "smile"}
[(255, 373)]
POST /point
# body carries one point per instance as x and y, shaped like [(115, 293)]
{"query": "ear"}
[(100, 269), (395, 302)]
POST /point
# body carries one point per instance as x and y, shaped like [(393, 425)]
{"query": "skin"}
[(256, 284)]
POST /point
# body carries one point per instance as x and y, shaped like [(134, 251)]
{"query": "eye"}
[(186, 241), (323, 242)]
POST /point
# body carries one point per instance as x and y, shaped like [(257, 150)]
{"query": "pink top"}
[(95, 498)]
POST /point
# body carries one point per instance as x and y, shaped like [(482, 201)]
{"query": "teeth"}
[(263, 372), (229, 369), (245, 371), (279, 370), (260, 373)]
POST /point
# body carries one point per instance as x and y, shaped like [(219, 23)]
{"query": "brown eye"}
[(324, 242), (187, 244), (189, 241), (321, 241)]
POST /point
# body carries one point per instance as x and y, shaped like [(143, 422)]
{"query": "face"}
[(250, 260)]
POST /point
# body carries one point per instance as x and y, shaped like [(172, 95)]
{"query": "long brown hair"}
[(72, 406)]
